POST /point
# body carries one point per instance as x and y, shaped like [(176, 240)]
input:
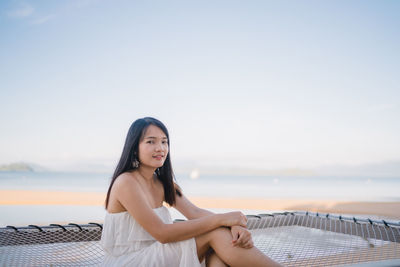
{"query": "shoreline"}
[(374, 208)]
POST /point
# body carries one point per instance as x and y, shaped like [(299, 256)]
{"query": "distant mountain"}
[(379, 169), (225, 170), (21, 166), (389, 169)]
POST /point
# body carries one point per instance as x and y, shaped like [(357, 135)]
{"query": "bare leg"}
[(212, 260), (220, 240)]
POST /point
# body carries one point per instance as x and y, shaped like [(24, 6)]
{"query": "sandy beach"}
[(385, 209)]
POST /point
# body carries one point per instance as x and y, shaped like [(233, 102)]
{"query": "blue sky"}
[(258, 84)]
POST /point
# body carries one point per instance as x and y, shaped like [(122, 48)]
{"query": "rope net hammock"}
[(290, 238)]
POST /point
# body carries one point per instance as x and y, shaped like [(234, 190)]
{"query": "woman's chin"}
[(153, 164), (159, 165)]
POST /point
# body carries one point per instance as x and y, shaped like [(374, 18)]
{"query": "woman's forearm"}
[(190, 228), (202, 213)]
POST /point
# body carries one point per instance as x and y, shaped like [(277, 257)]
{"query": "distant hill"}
[(378, 169), (388, 169), (215, 170), (21, 166)]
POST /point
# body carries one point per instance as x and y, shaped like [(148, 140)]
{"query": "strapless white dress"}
[(126, 243)]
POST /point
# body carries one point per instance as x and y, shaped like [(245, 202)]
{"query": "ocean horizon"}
[(363, 189), (355, 188)]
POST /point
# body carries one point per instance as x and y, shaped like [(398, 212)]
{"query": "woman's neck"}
[(147, 173)]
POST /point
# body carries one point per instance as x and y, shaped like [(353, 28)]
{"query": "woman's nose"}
[(159, 147)]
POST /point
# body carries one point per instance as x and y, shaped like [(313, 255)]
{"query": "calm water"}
[(338, 188)]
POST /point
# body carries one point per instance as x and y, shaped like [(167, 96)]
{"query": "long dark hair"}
[(130, 153)]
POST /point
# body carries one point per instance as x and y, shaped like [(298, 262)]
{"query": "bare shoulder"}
[(127, 185), (125, 179), (125, 189)]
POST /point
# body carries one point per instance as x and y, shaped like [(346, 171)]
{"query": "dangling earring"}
[(158, 171), (135, 164)]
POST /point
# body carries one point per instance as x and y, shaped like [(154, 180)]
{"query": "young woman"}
[(138, 229)]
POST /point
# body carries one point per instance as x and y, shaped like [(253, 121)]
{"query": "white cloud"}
[(382, 107), (25, 10), (42, 20), (84, 3)]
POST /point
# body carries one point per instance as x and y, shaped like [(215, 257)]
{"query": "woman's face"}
[(153, 148)]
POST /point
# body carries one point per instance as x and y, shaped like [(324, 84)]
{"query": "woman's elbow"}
[(162, 236), (163, 240)]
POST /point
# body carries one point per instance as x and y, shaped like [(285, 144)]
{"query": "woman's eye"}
[(165, 142)]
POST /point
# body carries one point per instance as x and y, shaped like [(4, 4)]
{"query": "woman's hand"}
[(241, 237), (233, 218)]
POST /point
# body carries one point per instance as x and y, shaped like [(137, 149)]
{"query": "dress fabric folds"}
[(126, 243)]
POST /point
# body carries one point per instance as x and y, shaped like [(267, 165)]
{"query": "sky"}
[(252, 84)]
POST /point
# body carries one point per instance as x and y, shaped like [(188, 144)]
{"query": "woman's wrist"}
[(218, 220)]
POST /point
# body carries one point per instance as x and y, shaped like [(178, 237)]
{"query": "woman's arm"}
[(189, 210), (132, 198), (240, 236)]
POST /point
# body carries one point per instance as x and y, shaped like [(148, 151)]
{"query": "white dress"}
[(126, 243)]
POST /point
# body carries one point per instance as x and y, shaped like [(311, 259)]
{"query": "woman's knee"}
[(221, 233), (205, 241)]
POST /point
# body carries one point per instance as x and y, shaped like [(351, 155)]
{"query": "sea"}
[(379, 189)]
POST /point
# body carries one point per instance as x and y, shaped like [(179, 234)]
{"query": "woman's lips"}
[(158, 157)]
